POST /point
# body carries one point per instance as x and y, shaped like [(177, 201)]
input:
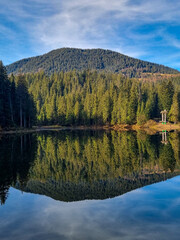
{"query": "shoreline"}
[(149, 127)]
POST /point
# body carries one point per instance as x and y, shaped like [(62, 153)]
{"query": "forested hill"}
[(70, 192), (67, 59)]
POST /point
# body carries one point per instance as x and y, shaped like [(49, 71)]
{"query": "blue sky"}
[(145, 29)]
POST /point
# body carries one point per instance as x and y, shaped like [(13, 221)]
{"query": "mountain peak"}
[(67, 59)]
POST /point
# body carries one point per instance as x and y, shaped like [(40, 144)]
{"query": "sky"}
[(144, 29)]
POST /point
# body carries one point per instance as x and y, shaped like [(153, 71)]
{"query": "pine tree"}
[(22, 99), (13, 100), (133, 104), (174, 111), (165, 95), (5, 119), (77, 112), (16, 105), (141, 114)]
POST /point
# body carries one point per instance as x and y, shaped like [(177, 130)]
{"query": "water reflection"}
[(164, 137), (77, 165), (17, 153), (148, 213)]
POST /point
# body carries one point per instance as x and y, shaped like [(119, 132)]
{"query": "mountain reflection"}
[(77, 165)]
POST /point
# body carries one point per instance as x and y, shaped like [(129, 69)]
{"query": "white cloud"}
[(92, 24), (103, 23)]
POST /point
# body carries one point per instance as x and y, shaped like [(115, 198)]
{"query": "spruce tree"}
[(165, 95), (174, 111)]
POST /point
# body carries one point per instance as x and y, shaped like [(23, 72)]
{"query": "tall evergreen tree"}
[(165, 95), (5, 119), (174, 113)]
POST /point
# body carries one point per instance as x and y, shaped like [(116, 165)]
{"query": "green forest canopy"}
[(17, 106), (92, 98), (84, 98)]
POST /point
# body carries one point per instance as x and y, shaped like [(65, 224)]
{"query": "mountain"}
[(67, 59), (70, 192)]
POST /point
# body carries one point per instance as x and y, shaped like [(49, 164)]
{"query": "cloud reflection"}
[(151, 212)]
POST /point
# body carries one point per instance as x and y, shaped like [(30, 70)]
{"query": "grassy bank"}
[(150, 127)]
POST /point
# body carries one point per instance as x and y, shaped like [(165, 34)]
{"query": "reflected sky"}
[(152, 212)]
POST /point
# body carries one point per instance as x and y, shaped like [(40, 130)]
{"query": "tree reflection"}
[(76, 165), (17, 155)]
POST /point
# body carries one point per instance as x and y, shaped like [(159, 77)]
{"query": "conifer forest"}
[(84, 98)]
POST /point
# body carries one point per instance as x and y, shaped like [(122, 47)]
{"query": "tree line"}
[(17, 108), (84, 98), (92, 98)]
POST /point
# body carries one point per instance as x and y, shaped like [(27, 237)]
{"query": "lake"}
[(90, 185)]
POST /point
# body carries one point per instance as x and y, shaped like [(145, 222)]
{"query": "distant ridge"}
[(67, 59), (70, 192)]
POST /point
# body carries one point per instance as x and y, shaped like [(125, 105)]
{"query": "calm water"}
[(90, 185)]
